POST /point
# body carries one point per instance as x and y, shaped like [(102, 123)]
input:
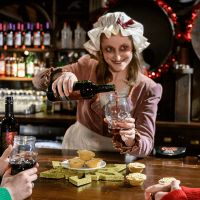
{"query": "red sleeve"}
[(191, 193), (175, 195)]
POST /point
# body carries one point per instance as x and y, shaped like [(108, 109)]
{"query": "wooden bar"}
[(156, 169)]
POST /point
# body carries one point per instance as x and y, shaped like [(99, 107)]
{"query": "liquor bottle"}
[(21, 68), (23, 36), (36, 66), (2, 66), (64, 36), (77, 38), (8, 67), (47, 36), (1, 36), (32, 35), (18, 36), (14, 67), (36, 39), (27, 41), (81, 90), (29, 67), (9, 38), (41, 36), (69, 41), (4, 37), (9, 126)]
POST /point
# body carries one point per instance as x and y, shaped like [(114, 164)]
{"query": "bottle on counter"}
[(81, 90), (18, 36), (9, 38), (9, 126), (47, 36), (1, 36), (2, 66), (27, 41), (36, 39)]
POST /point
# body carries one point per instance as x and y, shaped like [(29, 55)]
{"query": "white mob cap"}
[(113, 23)]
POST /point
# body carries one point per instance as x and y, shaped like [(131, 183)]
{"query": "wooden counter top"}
[(156, 168)]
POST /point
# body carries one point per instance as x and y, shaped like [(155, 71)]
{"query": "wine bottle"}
[(36, 40), (4, 37), (81, 90), (21, 68), (18, 36), (9, 38), (23, 36), (47, 36), (8, 67), (9, 126), (2, 66), (27, 41), (1, 36)]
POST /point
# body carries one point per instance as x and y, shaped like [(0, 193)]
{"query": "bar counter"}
[(184, 169)]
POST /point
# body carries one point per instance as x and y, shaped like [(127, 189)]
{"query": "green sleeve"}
[(4, 194)]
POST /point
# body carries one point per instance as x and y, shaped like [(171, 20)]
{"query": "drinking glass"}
[(116, 110), (23, 155)]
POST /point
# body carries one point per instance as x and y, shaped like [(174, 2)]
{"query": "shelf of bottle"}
[(15, 79), (40, 50)]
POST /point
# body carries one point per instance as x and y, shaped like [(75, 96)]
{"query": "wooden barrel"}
[(158, 28)]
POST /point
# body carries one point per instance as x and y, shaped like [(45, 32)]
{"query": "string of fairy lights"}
[(180, 36)]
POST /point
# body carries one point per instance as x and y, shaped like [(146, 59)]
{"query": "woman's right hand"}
[(64, 84), (19, 186)]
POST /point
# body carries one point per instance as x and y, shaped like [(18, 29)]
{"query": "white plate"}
[(84, 169)]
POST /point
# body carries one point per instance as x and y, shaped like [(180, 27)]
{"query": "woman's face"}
[(117, 51)]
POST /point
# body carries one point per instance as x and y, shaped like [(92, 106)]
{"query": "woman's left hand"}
[(128, 131), (4, 160)]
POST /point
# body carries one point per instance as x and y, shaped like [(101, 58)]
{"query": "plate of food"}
[(83, 167)]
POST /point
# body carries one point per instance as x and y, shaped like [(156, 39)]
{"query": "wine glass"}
[(23, 155)]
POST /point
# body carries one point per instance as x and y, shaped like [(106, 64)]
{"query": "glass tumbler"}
[(23, 155), (116, 110)]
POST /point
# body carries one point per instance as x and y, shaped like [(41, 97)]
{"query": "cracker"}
[(56, 164), (80, 181)]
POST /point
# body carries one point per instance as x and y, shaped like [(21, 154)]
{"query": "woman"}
[(173, 191), (16, 187), (116, 42)]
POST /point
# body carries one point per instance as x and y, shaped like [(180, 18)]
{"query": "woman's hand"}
[(128, 130), (158, 191), (4, 160), (19, 186), (64, 84)]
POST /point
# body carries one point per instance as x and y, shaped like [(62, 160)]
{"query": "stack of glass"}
[(25, 101)]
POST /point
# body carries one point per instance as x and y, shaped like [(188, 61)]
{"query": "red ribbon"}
[(130, 22)]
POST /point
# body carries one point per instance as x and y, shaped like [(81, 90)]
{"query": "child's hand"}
[(4, 160)]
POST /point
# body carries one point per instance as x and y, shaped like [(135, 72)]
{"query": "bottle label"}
[(27, 39), (21, 70), (36, 39), (2, 67), (75, 95), (18, 39), (36, 69), (14, 69), (8, 69), (1, 39), (30, 68), (8, 138), (9, 40), (46, 40)]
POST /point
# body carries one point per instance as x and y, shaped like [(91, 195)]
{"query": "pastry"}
[(93, 163), (76, 163), (85, 154), (136, 167), (136, 179), (167, 180)]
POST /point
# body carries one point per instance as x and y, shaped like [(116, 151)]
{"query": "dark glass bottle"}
[(1, 36), (23, 36), (4, 37), (81, 90), (8, 67), (9, 38), (27, 41), (47, 36), (37, 40), (18, 36), (9, 126)]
